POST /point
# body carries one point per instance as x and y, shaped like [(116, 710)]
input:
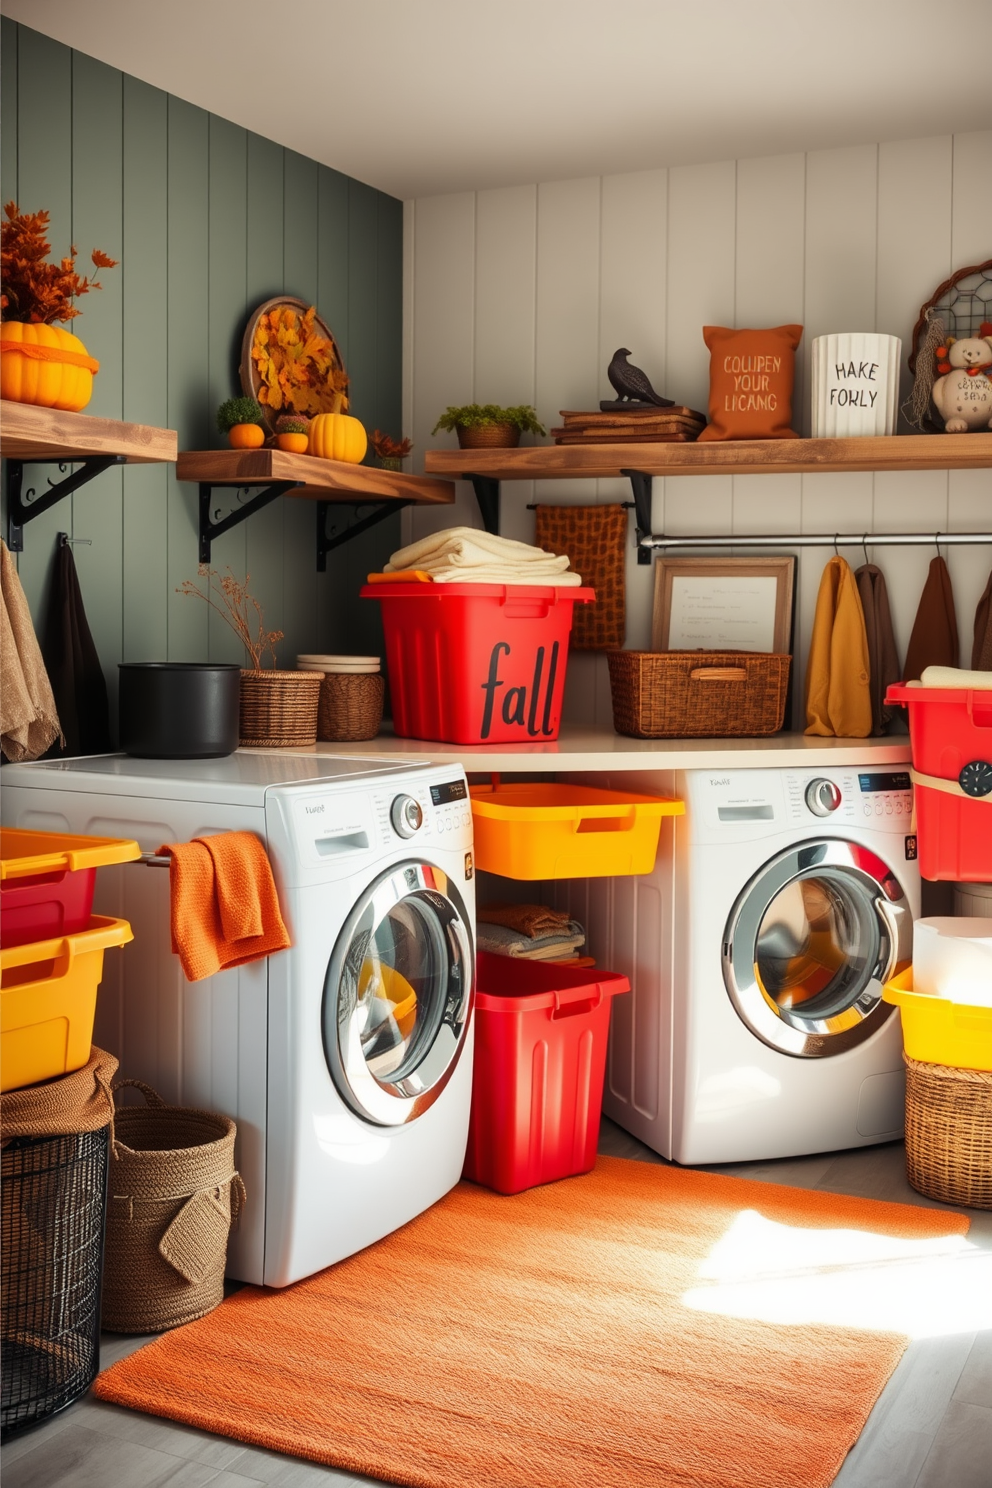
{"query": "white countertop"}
[(598, 749)]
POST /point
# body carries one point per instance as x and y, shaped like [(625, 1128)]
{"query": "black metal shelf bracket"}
[(21, 509), (327, 542), (486, 489), (211, 529), (641, 485)]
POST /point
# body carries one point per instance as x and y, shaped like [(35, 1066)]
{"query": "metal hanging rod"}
[(818, 540)]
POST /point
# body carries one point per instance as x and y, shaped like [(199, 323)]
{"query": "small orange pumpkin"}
[(293, 444), (338, 436), (44, 365), (245, 436)]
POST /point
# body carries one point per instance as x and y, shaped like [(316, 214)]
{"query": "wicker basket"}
[(949, 1133), (488, 436), (279, 709), (350, 705), (173, 1193), (698, 694)]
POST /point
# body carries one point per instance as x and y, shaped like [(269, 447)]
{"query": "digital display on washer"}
[(451, 790), (896, 782)]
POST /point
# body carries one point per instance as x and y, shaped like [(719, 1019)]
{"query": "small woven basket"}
[(949, 1133), (279, 709), (698, 694), (350, 705), (488, 436), (172, 1195)]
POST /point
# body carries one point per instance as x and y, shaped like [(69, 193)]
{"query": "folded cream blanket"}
[(941, 676), (464, 555)]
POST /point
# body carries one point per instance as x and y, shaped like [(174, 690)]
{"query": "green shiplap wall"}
[(208, 220)]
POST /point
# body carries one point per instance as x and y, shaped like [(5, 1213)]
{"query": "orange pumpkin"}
[(293, 444), (338, 436), (44, 365), (245, 436)]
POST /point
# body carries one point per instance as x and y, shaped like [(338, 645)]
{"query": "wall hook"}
[(65, 541)]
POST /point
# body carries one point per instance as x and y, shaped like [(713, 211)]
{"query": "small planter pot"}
[(488, 436), (279, 709), (293, 444), (246, 436), (179, 710)]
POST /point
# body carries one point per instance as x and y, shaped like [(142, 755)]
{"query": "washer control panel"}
[(744, 805), (438, 812), (883, 798)]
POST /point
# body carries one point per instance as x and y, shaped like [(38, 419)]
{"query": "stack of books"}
[(630, 424)]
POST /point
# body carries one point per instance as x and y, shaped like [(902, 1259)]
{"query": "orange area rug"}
[(549, 1339)]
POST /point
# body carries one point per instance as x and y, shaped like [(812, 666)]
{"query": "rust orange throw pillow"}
[(751, 382)]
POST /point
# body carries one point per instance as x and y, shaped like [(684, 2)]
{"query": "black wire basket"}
[(53, 1200)]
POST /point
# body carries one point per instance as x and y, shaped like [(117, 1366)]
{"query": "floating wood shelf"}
[(641, 462), (324, 481), (32, 436)]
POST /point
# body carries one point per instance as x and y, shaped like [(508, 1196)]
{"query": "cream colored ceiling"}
[(424, 96)]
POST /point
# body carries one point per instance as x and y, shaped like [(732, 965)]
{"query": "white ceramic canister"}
[(952, 958), (855, 376)]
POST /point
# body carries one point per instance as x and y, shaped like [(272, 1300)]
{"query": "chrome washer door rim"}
[(414, 1090), (856, 871)]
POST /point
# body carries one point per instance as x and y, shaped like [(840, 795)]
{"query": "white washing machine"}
[(757, 950), (346, 1061)]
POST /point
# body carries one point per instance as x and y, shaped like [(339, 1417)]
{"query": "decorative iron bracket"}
[(326, 543), (486, 489), (641, 485), (209, 529), (20, 511)]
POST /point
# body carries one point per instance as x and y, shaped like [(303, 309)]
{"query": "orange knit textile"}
[(225, 910), (541, 1341)]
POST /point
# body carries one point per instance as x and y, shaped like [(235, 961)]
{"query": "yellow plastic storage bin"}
[(47, 881), (566, 831), (936, 1030), (48, 1002)]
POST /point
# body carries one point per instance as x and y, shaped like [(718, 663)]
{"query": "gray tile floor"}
[(931, 1427)]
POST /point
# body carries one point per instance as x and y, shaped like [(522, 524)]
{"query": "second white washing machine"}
[(757, 952)]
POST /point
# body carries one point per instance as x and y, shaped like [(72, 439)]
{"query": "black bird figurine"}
[(631, 383)]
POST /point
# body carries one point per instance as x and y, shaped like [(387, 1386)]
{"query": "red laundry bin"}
[(540, 1057), (950, 732), (477, 663)]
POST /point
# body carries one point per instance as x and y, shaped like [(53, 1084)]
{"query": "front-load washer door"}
[(809, 944), (398, 994)]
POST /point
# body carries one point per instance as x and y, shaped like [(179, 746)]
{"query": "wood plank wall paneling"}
[(208, 221), (523, 294)]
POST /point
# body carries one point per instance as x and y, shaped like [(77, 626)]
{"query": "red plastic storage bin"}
[(950, 731), (540, 1056), (47, 881), (476, 663)]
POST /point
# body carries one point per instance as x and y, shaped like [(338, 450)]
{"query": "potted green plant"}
[(241, 420), (293, 433), (487, 426)]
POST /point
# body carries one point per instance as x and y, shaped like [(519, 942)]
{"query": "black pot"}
[(179, 709)]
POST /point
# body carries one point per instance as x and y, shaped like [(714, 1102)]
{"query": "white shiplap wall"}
[(521, 295)]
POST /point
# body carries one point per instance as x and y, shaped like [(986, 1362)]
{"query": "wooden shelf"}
[(316, 480), (718, 457), (29, 433)]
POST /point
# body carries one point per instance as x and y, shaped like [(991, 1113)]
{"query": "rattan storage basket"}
[(949, 1133), (350, 705), (279, 709), (698, 694), (172, 1195)]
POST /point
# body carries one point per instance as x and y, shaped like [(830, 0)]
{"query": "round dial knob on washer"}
[(822, 797), (406, 816)]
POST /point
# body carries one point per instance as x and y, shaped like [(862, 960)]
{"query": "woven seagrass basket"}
[(488, 436), (279, 709), (949, 1133), (698, 694), (350, 705), (172, 1196)]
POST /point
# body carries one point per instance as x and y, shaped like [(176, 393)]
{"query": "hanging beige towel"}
[(981, 651), (838, 698), (29, 723), (594, 538), (883, 659), (934, 641)]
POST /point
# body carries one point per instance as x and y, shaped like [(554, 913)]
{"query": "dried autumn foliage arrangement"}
[(298, 369), (390, 449), (34, 290), (232, 602)]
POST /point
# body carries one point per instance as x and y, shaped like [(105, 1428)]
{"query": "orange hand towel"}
[(225, 910)]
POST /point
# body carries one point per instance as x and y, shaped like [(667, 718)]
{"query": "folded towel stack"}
[(464, 555), (532, 932)]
